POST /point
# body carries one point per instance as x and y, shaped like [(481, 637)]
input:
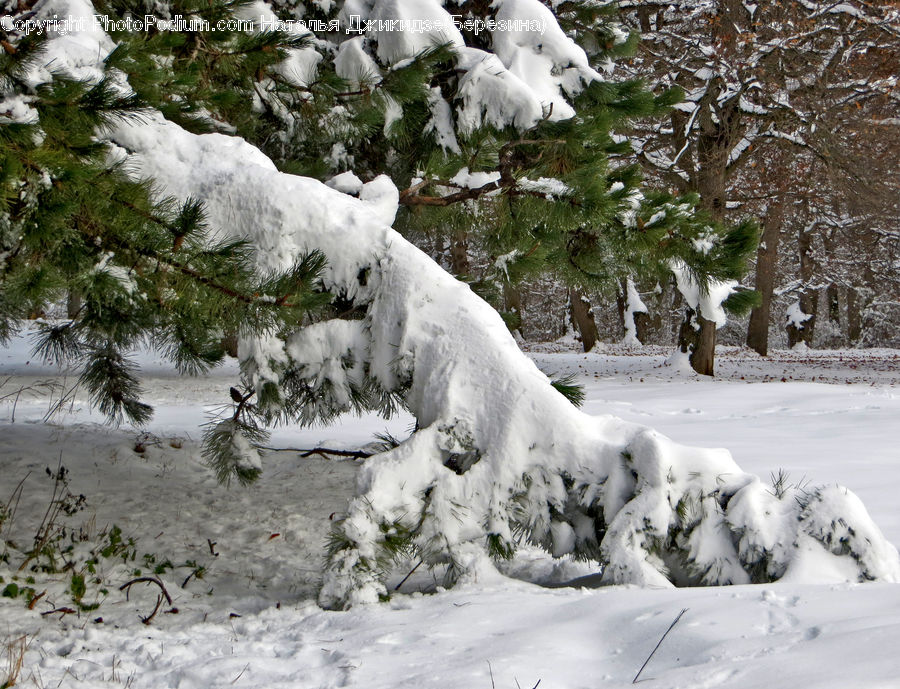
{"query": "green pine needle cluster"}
[(569, 387), (136, 270)]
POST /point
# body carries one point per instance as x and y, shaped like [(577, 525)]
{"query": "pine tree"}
[(498, 454), (552, 194)]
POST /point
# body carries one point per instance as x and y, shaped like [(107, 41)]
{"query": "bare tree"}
[(766, 85)]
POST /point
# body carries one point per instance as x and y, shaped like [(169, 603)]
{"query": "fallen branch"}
[(658, 644), (36, 598), (63, 611), (323, 451), (159, 598)]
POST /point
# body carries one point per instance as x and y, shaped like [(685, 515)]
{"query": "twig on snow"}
[(188, 578), (149, 580), (240, 674), (403, 581), (323, 451), (658, 644), (63, 612), (35, 599), (146, 620), (159, 598)]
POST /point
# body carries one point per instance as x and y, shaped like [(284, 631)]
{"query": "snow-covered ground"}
[(245, 563)]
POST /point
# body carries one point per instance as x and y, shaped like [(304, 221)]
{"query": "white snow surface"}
[(346, 183), (353, 63), (17, 109), (300, 66), (795, 315), (549, 186), (492, 95), (397, 45), (441, 122), (76, 53), (382, 198), (548, 61), (474, 180), (830, 420), (532, 70)]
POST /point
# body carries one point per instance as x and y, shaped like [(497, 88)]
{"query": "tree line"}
[(789, 116)]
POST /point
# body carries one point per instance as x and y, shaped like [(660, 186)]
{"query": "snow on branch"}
[(499, 455)]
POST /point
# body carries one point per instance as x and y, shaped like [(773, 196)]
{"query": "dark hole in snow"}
[(461, 462)]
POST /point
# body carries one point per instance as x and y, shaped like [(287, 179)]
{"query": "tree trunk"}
[(73, 303), (854, 316), (512, 305), (459, 253), (644, 325), (714, 141), (644, 19), (808, 305), (712, 157), (621, 302), (731, 16), (766, 259), (808, 296), (832, 294), (719, 128), (583, 319), (230, 344), (703, 354), (697, 337)]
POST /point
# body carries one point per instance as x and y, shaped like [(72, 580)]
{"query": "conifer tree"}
[(498, 455), (551, 192), (556, 191)]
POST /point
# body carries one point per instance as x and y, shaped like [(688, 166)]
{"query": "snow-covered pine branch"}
[(499, 454)]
